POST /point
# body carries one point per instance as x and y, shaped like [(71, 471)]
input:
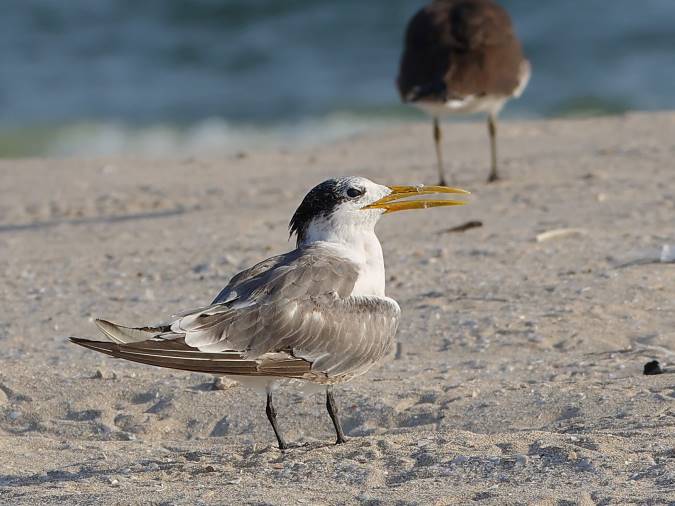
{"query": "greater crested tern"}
[(462, 57), (317, 314)]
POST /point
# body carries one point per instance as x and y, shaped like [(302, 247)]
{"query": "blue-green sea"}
[(161, 77)]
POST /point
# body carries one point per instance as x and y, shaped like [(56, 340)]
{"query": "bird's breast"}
[(371, 279), (364, 250)]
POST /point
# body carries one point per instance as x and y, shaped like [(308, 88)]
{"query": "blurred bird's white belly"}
[(471, 104), (490, 104)]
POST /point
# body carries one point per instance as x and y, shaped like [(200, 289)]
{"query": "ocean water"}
[(165, 77)]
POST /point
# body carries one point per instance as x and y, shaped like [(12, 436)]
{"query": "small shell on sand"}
[(559, 233)]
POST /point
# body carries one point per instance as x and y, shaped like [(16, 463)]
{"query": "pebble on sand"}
[(652, 368)]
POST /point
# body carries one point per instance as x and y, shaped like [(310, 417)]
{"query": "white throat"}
[(358, 243)]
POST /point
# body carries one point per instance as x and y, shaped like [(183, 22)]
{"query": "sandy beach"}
[(519, 379)]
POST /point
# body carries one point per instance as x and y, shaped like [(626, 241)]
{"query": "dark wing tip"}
[(82, 340), (101, 346)]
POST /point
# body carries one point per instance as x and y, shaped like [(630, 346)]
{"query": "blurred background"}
[(167, 77)]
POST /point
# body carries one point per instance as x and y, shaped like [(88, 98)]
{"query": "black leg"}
[(439, 155), (333, 413), (272, 417), (492, 129)]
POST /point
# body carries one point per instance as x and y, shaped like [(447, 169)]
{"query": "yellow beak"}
[(393, 202)]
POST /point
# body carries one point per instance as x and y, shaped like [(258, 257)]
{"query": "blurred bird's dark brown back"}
[(455, 48)]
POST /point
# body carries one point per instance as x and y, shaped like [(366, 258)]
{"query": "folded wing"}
[(290, 316)]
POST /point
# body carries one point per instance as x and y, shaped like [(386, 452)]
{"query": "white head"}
[(335, 206), (348, 206)]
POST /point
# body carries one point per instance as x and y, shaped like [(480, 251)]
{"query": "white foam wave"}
[(211, 137)]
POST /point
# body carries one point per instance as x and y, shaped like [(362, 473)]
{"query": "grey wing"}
[(301, 305), (232, 290), (244, 278), (346, 337)]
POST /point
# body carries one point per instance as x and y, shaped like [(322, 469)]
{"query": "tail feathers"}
[(175, 354), (125, 335)]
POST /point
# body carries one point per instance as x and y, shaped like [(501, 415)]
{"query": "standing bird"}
[(317, 314), (462, 57)]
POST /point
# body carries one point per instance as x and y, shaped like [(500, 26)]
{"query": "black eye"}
[(355, 192)]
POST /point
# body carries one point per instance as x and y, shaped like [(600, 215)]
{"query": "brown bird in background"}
[(462, 57)]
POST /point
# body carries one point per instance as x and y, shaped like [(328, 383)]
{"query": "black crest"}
[(319, 202)]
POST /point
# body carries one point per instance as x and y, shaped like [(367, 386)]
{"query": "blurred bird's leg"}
[(333, 413), (439, 156), (492, 130), (272, 417)]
